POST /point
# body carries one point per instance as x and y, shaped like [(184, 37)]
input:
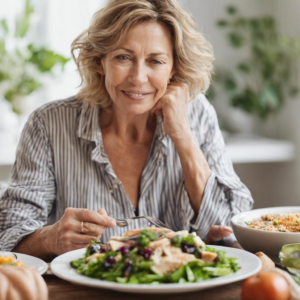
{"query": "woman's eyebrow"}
[(151, 54), (126, 49), (158, 53)]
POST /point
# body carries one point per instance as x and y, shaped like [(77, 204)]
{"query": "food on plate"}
[(8, 258), (266, 262), (153, 256), (265, 286), (287, 222)]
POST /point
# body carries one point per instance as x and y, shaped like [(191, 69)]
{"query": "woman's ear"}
[(172, 73), (99, 67)]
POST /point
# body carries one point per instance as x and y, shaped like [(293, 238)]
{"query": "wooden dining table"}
[(62, 290)]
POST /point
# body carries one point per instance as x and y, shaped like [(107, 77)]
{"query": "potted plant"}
[(22, 63), (260, 83)]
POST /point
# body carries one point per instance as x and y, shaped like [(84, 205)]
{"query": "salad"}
[(154, 256)]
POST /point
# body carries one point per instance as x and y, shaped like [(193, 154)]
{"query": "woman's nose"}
[(138, 74)]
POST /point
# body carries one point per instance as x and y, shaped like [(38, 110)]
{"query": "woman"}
[(131, 142)]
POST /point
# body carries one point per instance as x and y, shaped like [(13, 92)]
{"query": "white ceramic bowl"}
[(255, 240)]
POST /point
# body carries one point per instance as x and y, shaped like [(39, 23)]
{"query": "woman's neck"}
[(137, 129)]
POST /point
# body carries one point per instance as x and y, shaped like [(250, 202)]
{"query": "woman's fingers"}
[(90, 228), (159, 106), (78, 238), (102, 211), (87, 215), (157, 110), (217, 233), (78, 227)]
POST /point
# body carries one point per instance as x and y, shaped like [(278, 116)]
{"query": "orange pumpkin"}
[(21, 283)]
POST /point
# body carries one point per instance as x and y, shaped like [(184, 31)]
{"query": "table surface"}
[(63, 290)]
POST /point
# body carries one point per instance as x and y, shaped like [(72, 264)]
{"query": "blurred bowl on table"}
[(255, 240)]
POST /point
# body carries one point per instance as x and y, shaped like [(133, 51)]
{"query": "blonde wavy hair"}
[(193, 54)]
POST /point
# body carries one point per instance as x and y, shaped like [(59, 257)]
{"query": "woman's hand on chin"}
[(77, 228), (173, 106)]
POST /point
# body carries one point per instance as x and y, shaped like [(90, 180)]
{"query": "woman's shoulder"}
[(56, 113), (56, 105), (202, 118), (200, 106)]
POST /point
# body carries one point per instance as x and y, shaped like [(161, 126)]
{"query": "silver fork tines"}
[(154, 221)]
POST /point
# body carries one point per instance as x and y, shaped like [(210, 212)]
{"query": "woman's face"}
[(138, 71)]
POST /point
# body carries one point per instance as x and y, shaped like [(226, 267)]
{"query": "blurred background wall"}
[(56, 23), (271, 184)]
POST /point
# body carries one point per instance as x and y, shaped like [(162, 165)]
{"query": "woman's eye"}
[(122, 57), (157, 61)]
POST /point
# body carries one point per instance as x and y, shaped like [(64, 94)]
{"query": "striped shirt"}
[(61, 162)]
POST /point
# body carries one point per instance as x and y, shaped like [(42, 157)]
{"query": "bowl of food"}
[(267, 229)]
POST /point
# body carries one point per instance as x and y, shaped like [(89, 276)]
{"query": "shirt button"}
[(111, 191), (115, 186)]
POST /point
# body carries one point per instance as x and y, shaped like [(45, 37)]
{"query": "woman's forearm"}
[(36, 244), (195, 168)]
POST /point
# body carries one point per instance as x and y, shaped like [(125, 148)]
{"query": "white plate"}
[(31, 261), (250, 265)]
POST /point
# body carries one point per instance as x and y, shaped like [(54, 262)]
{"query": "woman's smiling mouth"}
[(135, 95)]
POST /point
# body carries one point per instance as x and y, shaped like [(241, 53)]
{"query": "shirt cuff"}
[(202, 221), (10, 237), (229, 240)]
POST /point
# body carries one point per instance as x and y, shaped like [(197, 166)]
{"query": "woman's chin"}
[(137, 110)]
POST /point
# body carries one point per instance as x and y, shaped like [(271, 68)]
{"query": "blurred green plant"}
[(22, 63), (269, 75)]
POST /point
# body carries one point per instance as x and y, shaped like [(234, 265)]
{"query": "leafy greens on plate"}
[(154, 256)]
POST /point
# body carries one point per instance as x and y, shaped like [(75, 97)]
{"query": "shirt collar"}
[(89, 129), (89, 123)]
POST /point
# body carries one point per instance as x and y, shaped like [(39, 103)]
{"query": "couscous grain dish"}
[(288, 222)]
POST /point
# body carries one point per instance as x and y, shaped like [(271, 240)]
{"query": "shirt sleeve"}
[(29, 198), (224, 195)]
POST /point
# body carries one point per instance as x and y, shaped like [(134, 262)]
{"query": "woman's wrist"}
[(37, 244), (184, 142)]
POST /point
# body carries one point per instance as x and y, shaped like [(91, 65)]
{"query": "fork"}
[(154, 221)]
